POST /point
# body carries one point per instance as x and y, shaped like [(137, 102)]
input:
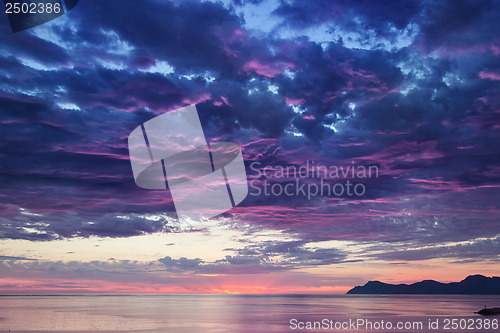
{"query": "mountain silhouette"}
[(472, 285)]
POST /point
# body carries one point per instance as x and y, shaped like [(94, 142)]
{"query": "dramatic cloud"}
[(410, 88)]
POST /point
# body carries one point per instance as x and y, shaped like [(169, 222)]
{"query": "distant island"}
[(472, 285)]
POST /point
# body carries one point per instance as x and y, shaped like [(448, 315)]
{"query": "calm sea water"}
[(227, 313)]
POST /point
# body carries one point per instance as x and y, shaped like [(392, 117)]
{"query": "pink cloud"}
[(267, 70), (489, 75), (294, 101)]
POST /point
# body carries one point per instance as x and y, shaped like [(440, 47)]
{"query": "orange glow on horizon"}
[(322, 280)]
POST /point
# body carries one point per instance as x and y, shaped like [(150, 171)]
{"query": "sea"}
[(247, 313)]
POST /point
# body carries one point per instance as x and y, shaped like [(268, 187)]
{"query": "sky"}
[(409, 88)]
